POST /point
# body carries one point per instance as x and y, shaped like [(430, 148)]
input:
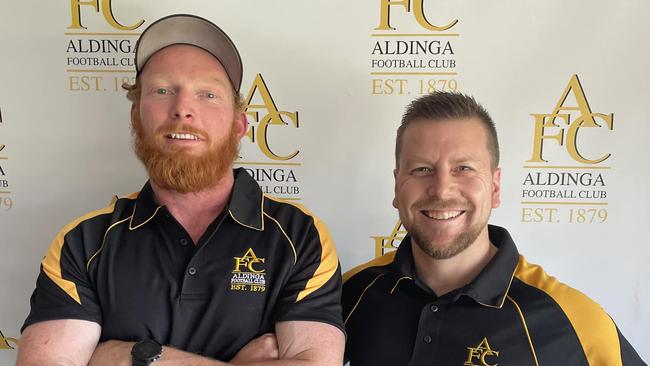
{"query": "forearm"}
[(44, 358), (292, 362), (175, 357), (117, 353), (66, 342)]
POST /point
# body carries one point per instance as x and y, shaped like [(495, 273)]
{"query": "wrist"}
[(145, 352)]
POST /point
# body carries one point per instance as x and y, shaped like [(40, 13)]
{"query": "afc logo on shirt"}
[(481, 355), (248, 273)]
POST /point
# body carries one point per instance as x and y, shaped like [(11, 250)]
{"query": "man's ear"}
[(241, 123), (496, 188), (395, 187), (135, 114)]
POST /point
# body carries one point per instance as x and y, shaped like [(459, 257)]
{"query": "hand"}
[(111, 352), (262, 348)]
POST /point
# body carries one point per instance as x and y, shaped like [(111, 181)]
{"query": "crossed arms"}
[(72, 342)]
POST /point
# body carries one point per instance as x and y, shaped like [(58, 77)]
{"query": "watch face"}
[(146, 350)]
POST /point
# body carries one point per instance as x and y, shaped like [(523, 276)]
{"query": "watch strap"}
[(135, 362)]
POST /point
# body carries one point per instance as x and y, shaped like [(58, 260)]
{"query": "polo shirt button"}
[(433, 308), (427, 339), (191, 271), (183, 242)]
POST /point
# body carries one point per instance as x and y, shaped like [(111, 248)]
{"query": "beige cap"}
[(191, 30)]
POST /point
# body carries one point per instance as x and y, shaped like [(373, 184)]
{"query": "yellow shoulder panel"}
[(595, 329), (52, 261), (380, 261), (329, 261)]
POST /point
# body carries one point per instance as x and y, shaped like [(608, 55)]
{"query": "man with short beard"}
[(456, 291), (199, 267)]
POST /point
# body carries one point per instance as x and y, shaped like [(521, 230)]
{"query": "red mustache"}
[(166, 130)]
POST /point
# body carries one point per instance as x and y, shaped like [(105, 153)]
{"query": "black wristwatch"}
[(145, 352)]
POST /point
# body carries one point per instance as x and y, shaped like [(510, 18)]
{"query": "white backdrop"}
[(329, 81)]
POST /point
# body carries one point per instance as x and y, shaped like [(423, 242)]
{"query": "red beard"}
[(177, 169)]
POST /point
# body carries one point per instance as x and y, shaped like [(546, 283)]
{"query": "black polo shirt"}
[(511, 314), (132, 268)]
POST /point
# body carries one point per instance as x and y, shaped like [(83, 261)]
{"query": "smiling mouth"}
[(182, 136), (441, 215)]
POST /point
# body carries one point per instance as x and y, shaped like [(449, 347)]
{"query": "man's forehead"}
[(453, 127)]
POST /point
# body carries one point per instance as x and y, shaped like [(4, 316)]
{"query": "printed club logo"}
[(566, 175), (6, 199), (99, 46), (410, 53), (386, 244), (566, 127), (5, 343), (104, 7), (268, 150), (415, 7)]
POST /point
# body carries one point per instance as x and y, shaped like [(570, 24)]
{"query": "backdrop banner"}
[(325, 84)]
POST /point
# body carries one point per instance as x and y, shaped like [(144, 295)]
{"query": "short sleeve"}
[(63, 288), (313, 291)]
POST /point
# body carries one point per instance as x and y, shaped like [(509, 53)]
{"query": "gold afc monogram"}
[(418, 13), (585, 119), (273, 116), (384, 244), (248, 260), (106, 10), (4, 342), (481, 354)]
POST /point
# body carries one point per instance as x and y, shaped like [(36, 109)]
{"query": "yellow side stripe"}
[(523, 321), (104, 240), (52, 261), (329, 261), (131, 227), (595, 329), (398, 281), (361, 297), (293, 248), (133, 195)]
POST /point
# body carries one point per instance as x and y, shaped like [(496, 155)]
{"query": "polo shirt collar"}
[(145, 207), (246, 201), (492, 284), (245, 204)]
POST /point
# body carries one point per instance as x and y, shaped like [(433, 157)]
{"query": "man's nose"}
[(184, 106), (441, 185)]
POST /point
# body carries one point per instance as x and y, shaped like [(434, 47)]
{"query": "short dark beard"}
[(462, 242)]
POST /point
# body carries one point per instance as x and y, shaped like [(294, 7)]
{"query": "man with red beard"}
[(456, 291), (199, 267)]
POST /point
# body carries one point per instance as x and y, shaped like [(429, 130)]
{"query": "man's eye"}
[(210, 95), (161, 91), (464, 168), (422, 170)]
